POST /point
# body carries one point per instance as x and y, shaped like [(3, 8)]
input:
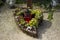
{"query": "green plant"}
[(50, 15), (20, 1), (45, 4), (1, 2)]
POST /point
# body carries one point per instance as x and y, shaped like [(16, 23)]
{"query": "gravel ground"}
[(10, 31)]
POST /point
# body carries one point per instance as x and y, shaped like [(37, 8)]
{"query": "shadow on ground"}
[(43, 27)]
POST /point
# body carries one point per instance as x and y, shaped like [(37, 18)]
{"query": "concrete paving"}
[(10, 31)]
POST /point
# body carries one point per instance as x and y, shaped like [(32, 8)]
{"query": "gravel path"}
[(10, 31), (50, 30)]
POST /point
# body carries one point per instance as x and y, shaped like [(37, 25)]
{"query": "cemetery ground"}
[(10, 31)]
